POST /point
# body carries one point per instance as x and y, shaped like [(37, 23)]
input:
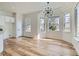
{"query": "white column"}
[(1, 43), (18, 24)]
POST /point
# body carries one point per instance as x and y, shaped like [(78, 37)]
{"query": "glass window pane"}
[(42, 25), (67, 22), (53, 24), (27, 26)]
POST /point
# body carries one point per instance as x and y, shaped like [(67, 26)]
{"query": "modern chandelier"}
[(48, 17), (47, 12)]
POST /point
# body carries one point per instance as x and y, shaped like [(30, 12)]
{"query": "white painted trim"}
[(76, 38)]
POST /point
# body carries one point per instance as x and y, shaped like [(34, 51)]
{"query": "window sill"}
[(76, 38), (67, 31), (53, 31)]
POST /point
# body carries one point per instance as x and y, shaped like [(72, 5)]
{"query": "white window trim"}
[(57, 24), (76, 38), (64, 29)]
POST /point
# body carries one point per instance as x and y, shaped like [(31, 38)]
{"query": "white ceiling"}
[(28, 7)]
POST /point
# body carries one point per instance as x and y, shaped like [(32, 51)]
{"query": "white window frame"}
[(42, 25), (27, 24), (67, 22), (77, 23), (57, 24)]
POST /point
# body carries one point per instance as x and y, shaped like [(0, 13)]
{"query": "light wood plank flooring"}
[(37, 47)]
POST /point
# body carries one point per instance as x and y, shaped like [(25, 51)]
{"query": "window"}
[(77, 23), (67, 22), (57, 23), (42, 25), (78, 27), (53, 24), (27, 26)]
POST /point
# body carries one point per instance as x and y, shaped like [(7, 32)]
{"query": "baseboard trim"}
[(26, 36), (59, 40), (1, 54)]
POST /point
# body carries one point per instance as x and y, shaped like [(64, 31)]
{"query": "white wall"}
[(76, 39), (67, 36), (34, 24), (1, 43), (57, 34), (6, 31), (8, 27)]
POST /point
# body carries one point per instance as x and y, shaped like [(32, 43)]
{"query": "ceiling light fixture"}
[(47, 12)]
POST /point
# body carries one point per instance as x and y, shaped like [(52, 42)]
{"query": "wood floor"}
[(37, 47)]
